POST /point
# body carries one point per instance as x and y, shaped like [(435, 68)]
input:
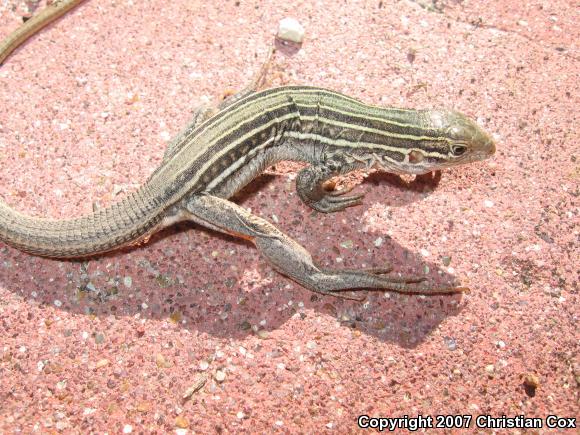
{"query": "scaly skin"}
[(224, 148)]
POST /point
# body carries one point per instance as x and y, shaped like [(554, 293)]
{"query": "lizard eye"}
[(458, 150)]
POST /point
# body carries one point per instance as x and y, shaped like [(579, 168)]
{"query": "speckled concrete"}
[(115, 343)]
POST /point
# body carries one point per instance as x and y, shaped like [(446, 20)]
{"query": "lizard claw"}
[(337, 201)]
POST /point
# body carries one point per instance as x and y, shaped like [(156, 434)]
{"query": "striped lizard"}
[(226, 147)]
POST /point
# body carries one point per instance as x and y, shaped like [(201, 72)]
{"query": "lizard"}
[(225, 147)]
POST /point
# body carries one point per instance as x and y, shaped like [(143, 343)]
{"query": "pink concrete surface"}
[(113, 344)]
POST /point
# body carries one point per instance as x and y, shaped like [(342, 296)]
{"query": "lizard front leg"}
[(289, 257), (310, 188)]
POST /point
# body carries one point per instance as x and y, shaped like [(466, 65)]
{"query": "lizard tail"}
[(123, 223), (50, 13)]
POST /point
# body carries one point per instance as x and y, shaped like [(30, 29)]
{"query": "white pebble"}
[(220, 376), (291, 30), (534, 247), (127, 428), (488, 203), (378, 242)]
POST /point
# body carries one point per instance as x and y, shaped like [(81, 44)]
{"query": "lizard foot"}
[(337, 200), (334, 282)]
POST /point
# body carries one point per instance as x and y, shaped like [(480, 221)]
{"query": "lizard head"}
[(450, 139), (467, 141)]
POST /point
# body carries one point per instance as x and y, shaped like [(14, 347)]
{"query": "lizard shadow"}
[(217, 284)]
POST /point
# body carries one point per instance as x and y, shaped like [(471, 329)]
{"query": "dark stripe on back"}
[(232, 155), (359, 119)]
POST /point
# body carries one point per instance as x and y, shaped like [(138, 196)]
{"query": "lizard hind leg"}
[(203, 112), (257, 82), (290, 258)]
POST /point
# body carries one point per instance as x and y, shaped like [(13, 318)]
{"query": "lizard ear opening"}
[(416, 156)]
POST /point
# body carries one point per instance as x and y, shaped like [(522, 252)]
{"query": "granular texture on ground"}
[(115, 343)]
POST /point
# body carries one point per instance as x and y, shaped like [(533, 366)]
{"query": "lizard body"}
[(222, 150)]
